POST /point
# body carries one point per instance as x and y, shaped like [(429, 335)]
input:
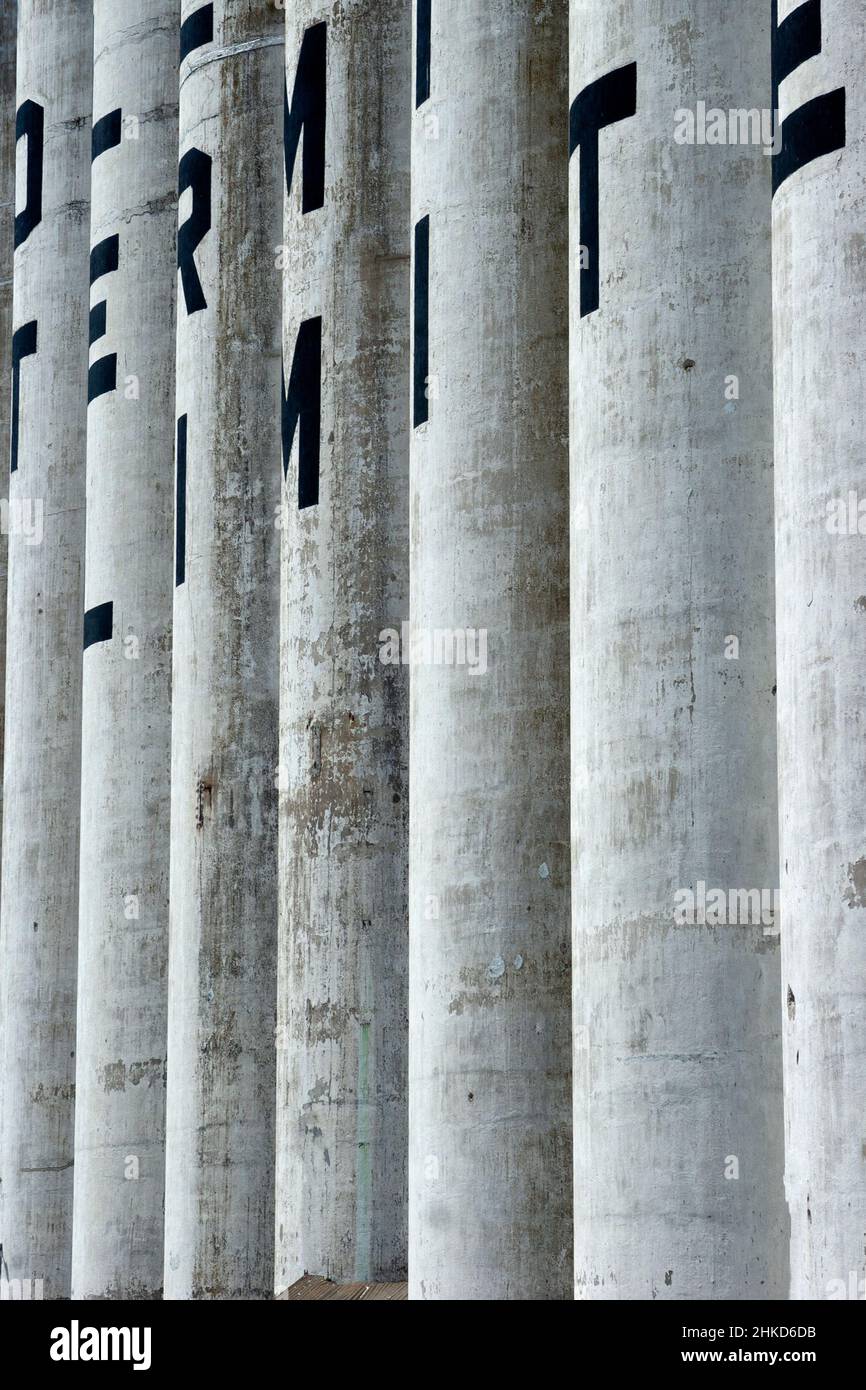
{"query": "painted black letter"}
[(105, 134), (195, 173), (423, 41), (609, 99), (180, 505), (23, 345), (102, 376), (307, 113), (98, 624), (196, 30), (421, 342), (818, 126), (30, 121), (303, 401)]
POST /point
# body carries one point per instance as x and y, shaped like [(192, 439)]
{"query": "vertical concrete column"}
[(819, 278), (126, 702), (8, 32), (44, 623), (343, 964), (677, 1054), (222, 958), (489, 1076)]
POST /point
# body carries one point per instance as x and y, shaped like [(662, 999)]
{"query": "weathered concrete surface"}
[(489, 1076), (677, 1054), (8, 29), (222, 958), (126, 702), (342, 1036), (819, 256), (44, 624)]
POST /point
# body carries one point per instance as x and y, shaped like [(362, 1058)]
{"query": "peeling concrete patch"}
[(114, 1076), (318, 1092), (855, 895), (50, 1094)]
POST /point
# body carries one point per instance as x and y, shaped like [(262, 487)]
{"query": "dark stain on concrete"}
[(855, 894)]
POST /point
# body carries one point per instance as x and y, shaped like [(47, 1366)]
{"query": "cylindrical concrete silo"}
[(489, 1045), (222, 957), (342, 1027), (677, 1057), (8, 31), (819, 278), (44, 630), (126, 699)]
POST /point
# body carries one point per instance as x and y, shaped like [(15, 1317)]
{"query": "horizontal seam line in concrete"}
[(217, 54)]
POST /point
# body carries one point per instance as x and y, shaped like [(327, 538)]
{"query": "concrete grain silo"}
[(126, 701), (44, 630), (342, 1033), (489, 1033), (445, 407), (8, 34), (819, 277), (219, 1235), (677, 1054)]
